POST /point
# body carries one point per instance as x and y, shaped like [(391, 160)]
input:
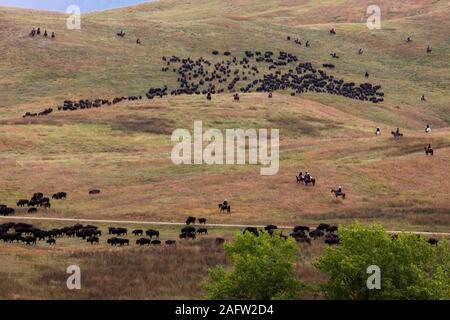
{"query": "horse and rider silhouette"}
[(397, 134), (338, 192), (224, 207), (429, 150), (306, 178)]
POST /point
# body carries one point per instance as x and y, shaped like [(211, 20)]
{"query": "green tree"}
[(263, 269), (410, 267)]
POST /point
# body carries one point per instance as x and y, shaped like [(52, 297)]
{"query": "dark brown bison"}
[(190, 220)]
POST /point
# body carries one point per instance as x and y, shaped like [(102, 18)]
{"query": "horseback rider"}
[(378, 132), (138, 41), (397, 132), (225, 203), (339, 190), (360, 51), (428, 128), (423, 98), (307, 176), (429, 147)]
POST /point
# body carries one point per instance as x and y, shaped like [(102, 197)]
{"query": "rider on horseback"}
[(339, 190), (225, 203), (428, 128), (307, 177)]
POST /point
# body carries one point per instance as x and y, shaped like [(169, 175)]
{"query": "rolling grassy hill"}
[(125, 150)]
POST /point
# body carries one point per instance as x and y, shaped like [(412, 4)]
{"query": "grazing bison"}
[(298, 234), (187, 235), (51, 241), (251, 230), (332, 229), (22, 202), (32, 210), (118, 231), (270, 227), (202, 220), (5, 211), (59, 195), (332, 241), (170, 242), (93, 240), (94, 191), (118, 241), (137, 232), (433, 242), (156, 242), (316, 234), (323, 226), (30, 240), (143, 241), (301, 228), (190, 220), (202, 231), (152, 233), (188, 230)]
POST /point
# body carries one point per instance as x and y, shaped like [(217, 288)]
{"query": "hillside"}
[(124, 150)]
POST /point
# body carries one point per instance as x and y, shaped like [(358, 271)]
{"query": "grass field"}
[(125, 149)]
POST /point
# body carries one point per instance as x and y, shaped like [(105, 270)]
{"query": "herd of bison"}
[(28, 234), (255, 71), (117, 236)]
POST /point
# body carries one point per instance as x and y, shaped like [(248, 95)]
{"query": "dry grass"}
[(150, 273)]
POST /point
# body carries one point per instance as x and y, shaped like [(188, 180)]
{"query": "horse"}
[(301, 179), (396, 134), (338, 193), (429, 151), (223, 208), (311, 180)]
